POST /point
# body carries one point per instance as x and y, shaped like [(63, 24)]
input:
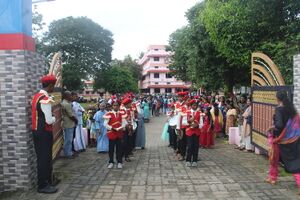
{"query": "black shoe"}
[(48, 190)]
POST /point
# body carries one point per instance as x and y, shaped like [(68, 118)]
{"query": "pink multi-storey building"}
[(156, 77)]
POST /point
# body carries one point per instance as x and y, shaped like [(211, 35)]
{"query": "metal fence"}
[(263, 109)]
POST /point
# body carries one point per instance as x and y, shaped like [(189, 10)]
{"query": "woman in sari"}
[(247, 115), (217, 118), (284, 139), (102, 139), (207, 139), (140, 140), (146, 109), (231, 116)]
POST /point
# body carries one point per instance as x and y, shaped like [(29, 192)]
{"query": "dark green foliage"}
[(214, 49), (85, 46), (238, 27), (71, 78), (117, 79)]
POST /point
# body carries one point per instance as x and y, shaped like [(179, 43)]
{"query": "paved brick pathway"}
[(223, 173)]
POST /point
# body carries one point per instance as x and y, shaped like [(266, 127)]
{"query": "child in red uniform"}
[(115, 123), (192, 134)]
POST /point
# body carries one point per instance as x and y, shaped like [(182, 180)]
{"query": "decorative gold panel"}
[(265, 97), (260, 140)]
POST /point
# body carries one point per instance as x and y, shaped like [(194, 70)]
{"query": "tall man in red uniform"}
[(42, 121)]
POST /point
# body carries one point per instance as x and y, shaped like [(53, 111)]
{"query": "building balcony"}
[(153, 70), (163, 84)]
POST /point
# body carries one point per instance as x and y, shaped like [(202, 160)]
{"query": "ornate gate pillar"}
[(297, 82)]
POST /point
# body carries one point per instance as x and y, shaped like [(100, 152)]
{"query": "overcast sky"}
[(135, 24)]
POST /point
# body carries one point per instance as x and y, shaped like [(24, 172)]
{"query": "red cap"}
[(115, 100), (182, 93), (48, 79), (191, 102), (185, 98), (126, 101)]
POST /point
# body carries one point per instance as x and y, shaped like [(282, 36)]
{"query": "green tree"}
[(178, 44), (85, 46), (71, 78), (131, 65), (37, 28), (237, 29), (195, 57), (117, 79)]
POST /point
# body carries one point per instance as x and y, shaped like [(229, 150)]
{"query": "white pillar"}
[(297, 82), (151, 90)]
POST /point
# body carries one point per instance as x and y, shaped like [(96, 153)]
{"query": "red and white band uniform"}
[(193, 118), (192, 133), (130, 118), (42, 121), (182, 117), (129, 139), (42, 118), (115, 123)]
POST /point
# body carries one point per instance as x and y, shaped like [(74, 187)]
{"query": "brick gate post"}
[(20, 71)]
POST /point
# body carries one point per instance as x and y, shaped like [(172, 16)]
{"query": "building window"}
[(156, 90), (143, 78), (156, 58), (155, 49), (156, 75), (168, 90), (156, 67), (87, 92), (168, 83), (156, 83), (168, 75)]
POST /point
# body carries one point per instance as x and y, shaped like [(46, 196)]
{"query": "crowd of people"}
[(195, 121), (117, 126)]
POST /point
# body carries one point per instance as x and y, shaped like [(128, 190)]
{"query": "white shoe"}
[(188, 164), (120, 166), (194, 164), (110, 165)]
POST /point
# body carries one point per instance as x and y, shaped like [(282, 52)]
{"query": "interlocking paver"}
[(223, 173)]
